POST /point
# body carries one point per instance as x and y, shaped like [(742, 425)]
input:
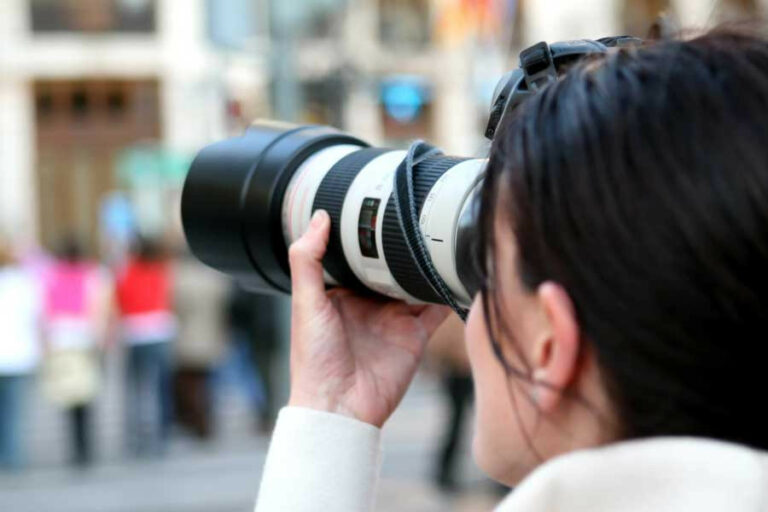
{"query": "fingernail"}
[(317, 218)]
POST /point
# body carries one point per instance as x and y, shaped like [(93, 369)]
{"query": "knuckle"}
[(296, 251)]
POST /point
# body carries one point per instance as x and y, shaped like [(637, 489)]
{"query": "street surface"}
[(221, 475)]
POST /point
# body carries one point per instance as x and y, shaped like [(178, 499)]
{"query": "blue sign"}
[(404, 98)]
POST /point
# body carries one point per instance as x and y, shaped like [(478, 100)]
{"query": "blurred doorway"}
[(81, 126), (640, 15), (738, 10)]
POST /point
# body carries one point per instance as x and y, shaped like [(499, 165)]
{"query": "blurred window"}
[(82, 125), (404, 23), (93, 16), (233, 23), (734, 10), (639, 16), (307, 19), (79, 103), (44, 104), (323, 100), (321, 24), (116, 103)]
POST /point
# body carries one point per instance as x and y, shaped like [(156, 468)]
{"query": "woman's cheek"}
[(498, 446), (490, 392)]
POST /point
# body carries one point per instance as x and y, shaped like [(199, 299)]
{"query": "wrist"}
[(320, 403)]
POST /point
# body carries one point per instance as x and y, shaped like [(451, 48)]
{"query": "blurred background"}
[(116, 398)]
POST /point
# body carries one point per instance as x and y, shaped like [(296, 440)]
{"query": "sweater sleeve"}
[(320, 461)]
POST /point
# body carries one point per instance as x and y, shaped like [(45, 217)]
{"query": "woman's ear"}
[(557, 353)]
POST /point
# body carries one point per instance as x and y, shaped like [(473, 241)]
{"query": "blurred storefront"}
[(80, 127), (83, 82)]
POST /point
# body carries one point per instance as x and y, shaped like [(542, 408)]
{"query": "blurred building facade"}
[(93, 91), (98, 96)]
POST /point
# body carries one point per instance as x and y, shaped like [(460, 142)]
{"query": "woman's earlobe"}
[(555, 372), (544, 395)]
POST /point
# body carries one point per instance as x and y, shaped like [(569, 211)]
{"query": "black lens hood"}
[(231, 203)]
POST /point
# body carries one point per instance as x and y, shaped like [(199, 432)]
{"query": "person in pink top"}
[(74, 313)]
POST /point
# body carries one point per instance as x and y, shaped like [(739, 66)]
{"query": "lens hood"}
[(232, 196)]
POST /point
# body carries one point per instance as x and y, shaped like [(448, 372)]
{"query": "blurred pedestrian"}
[(20, 305), (265, 344), (254, 323), (148, 326), (201, 296), (447, 349), (75, 313)]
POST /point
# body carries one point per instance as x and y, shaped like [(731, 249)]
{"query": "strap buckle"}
[(538, 65)]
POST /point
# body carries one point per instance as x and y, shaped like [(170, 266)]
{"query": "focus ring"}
[(330, 197), (398, 257)]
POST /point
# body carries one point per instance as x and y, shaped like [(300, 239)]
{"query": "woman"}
[(148, 327), (75, 313), (616, 344)]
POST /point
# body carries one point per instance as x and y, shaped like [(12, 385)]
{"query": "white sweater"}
[(20, 311), (329, 463)]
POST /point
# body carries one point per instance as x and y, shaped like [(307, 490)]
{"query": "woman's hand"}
[(350, 355)]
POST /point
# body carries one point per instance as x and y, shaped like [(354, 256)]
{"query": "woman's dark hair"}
[(70, 249), (639, 182), (148, 249)]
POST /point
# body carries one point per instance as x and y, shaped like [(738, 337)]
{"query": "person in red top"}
[(148, 327)]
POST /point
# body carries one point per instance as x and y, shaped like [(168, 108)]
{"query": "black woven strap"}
[(405, 205)]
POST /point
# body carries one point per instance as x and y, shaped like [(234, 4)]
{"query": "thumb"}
[(305, 257)]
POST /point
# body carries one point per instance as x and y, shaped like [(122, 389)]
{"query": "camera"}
[(403, 222)]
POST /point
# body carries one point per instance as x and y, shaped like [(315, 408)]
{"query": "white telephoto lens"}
[(358, 186)]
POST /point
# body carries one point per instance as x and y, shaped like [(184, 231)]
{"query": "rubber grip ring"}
[(330, 197)]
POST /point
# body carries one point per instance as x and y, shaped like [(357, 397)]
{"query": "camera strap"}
[(407, 216), (538, 65)]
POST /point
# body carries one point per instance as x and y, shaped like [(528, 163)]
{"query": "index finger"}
[(306, 261)]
